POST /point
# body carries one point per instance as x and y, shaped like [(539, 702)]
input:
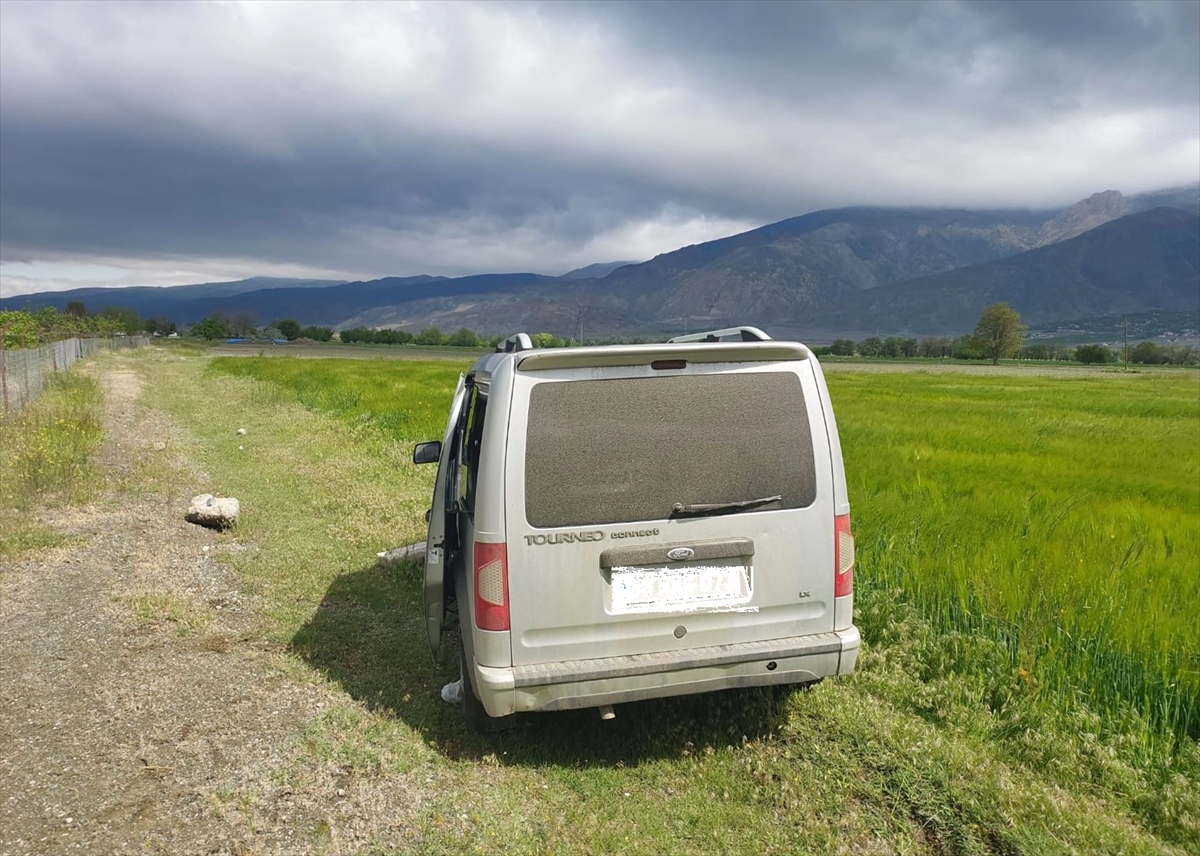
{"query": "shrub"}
[(1094, 354), (212, 327), (464, 338)]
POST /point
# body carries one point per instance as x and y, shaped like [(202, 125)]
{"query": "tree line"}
[(999, 334), (965, 348), (242, 325), (28, 328), (461, 338)]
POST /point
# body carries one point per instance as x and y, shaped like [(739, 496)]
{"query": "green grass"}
[(46, 461), (187, 614), (1059, 516), (972, 725), (406, 402)]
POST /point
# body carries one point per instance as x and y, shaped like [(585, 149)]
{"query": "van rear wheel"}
[(474, 714)]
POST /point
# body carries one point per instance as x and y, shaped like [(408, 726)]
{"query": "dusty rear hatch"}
[(614, 546)]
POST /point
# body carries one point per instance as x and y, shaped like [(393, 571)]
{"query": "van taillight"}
[(843, 571), (491, 586)]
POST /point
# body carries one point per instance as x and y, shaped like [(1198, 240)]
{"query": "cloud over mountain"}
[(360, 140)]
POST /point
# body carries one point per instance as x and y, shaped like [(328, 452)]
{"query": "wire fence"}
[(24, 372)]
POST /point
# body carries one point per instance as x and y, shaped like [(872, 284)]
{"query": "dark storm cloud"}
[(450, 138)]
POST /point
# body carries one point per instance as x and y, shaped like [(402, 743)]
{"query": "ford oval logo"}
[(680, 553)]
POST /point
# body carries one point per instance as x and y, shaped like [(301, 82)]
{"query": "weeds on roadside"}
[(47, 456), (185, 613)]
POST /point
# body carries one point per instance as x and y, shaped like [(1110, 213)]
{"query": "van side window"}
[(472, 442)]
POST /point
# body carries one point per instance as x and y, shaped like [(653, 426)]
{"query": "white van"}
[(636, 521)]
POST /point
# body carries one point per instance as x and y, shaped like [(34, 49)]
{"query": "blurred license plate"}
[(673, 589)]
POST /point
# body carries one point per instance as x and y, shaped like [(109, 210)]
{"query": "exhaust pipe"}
[(606, 712)]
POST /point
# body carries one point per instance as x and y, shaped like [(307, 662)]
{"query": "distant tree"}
[(966, 348), (999, 332), (430, 336), (317, 334), (842, 348), (872, 346), (937, 347), (1037, 352), (547, 340), (76, 308), (463, 338), (160, 325), (242, 324), (1094, 354), (1183, 355), (289, 327), (126, 320), (908, 347), (212, 327), (1150, 354), (891, 347)]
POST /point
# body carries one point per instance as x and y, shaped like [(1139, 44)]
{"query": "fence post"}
[(25, 369)]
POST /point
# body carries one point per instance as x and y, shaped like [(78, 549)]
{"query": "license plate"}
[(675, 589)]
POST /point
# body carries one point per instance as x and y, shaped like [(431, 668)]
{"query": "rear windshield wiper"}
[(702, 508)]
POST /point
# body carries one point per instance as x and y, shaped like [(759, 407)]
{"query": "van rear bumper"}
[(613, 680)]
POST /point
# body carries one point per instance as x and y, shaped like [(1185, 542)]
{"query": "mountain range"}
[(836, 272)]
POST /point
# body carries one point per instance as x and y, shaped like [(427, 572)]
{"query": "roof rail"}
[(516, 342), (745, 334)]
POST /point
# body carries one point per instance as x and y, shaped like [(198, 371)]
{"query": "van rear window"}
[(618, 451)]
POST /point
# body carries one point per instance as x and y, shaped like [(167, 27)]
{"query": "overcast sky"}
[(156, 144)]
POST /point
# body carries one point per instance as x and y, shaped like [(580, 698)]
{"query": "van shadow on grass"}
[(368, 634)]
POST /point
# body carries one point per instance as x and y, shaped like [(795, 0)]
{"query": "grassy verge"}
[(941, 742), (47, 457), (186, 614)]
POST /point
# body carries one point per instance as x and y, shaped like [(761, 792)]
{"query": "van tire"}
[(473, 712)]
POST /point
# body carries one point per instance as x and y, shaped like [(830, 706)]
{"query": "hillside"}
[(595, 271), (810, 275), (339, 304), (779, 271), (1101, 208), (828, 273), (1139, 263), (149, 301)]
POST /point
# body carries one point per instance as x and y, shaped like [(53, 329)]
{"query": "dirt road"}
[(136, 711)]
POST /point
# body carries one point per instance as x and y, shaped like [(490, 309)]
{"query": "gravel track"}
[(124, 732)]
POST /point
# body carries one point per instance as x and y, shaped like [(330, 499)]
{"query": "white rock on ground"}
[(215, 512), (241, 430), (394, 556)]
